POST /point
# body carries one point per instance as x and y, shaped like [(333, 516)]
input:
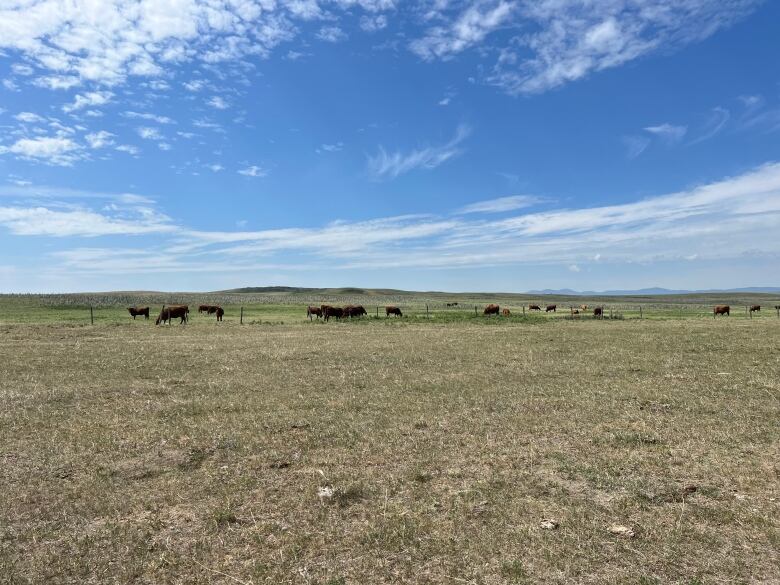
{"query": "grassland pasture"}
[(414, 450)]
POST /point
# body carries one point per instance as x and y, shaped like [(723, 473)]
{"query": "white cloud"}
[(470, 28), (717, 119), (164, 146), (635, 145), (54, 150), (147, 116), (10, 85), (501, 204), (574, 268), (99, 139), (445, 101), (195, 85), (373, 23), (57, 81), (218, 103), (22, 69), (44, 221), (253, 171), (331, 34), (88, 99), (668, 132), (30, 118), (149, 133), (391, 165), (336, 147), (216, 168), (129, 149)]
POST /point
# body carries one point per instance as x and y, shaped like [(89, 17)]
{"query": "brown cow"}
[(212, 309), (574, 311), (354, 311), (583, 307), (506, 312), (534, 308), (220, 313), (721, 310), (552, 308), (328, 312), (491, 309), (167, 314), (393, 311), (754, 308), (452, 304), (313, 311), (138, 311), (598, 312), (203, 308)]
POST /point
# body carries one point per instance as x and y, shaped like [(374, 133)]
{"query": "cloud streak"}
[(390, 165)]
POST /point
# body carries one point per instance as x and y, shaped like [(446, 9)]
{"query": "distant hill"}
[(652, 291)]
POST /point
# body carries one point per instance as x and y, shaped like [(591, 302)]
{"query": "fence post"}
[(523, 310), (377, 311), (475, 310), (746, 311), (426, 312), (242, 315), (640, 311), (91, 316)]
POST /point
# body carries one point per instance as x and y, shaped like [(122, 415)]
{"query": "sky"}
[(493, 145)]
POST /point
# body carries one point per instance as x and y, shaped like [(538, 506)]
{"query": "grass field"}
[(195, 454)]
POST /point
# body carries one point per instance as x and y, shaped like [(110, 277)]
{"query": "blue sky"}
[(435, 144)]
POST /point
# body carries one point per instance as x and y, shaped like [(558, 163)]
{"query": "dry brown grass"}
[(194, 454)]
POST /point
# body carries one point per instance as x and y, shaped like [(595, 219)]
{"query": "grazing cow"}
[(721, 310), (552, 308), (393, 311), (452, 304), (754, 308), (328, 312), (506, 312), (203, 308), (172, 312), (213, 309), (491, 309), (574, 311), (220, 313), (534, 308), (354, 311), (138, 311), (313, 311), (598, 312), (583, 307)]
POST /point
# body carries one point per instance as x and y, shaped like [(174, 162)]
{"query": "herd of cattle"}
[(328, 311), (167, 314), (182, 312)]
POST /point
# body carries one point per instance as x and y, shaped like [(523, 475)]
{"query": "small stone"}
[(620, 530), (549, 524), (325, 494), (690, 489)]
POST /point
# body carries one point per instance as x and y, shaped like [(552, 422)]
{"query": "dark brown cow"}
[(203, 308), (138, 311), (328, 312), (452, 304), (393, 311), (534, 308), (491, 309), (213, 309), (220, 313), (313, 311), (175, 311), (552, 308), (598, 312), (754, 308), (506, 312), (721, 310), (354, 311)]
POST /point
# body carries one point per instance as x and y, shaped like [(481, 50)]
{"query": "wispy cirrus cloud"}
[(721, 220), (668, 132), (501, 204), (390, 165)]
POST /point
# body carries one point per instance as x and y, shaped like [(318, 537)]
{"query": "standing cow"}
[(721, 310), (534, 308), (552, 308), (328, 312), (491, 309), (220, 313), (754, 308), (506, 312), (393, 311), (138, 311), (598, 312), (173, 312), (313, 312), (354, 311)]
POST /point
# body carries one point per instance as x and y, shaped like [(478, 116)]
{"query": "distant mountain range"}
[(652, 291)]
